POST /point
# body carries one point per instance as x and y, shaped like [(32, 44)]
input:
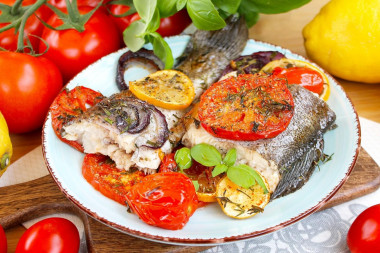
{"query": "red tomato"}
[(50, 235), (61, 4), (71, 104), (28, 85), (364, 233), (306, 77), (169, 26), (248, 107), (72, 51), (165, 200), (101, 172), (175, 24), (33, 26), (3, 241), (168, 164)]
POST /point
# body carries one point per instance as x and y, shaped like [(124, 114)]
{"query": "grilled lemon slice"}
[(241, 203), (169, 89)]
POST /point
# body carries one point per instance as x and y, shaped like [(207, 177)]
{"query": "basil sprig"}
[(205, 14), (207, 155)]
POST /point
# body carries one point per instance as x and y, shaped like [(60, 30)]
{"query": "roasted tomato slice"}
[(248, 107), (165, 200), (306, 77), (101, 172), (69, 105)]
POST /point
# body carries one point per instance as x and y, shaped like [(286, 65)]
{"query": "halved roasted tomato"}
[(302, 73), (69, 105)]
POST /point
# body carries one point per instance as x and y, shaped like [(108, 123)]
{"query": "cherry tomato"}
[(28, 85), (165, 200), (168, 164), (169, 26), (69, 105), (364, 233), (306, 77), (247, 107), (50, 235), (3, 241), (101, 172), (72, 51), (33, 26)]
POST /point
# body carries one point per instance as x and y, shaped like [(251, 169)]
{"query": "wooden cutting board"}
[(23, 202)]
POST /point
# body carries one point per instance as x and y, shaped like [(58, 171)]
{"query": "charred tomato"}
[(165, 200), (69, 105), (101, 172)]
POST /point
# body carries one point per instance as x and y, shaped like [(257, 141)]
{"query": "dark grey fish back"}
[(209, 52), (312, 118)]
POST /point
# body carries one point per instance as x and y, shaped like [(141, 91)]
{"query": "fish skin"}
[(204, 59), (295, 151), (209, 52)]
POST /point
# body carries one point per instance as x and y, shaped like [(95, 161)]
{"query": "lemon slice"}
[(206, 197), (241, 203), (169, 89), (288, 63)]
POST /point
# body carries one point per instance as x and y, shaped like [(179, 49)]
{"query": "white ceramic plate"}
[(208, 225)]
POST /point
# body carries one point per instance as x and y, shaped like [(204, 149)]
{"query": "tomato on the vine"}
[(61, 4), (69, 105), (169, 26), (28, 85), (165, 200), (364, 233), (3, 241), (72, 50), (33, 27), (50, 235)]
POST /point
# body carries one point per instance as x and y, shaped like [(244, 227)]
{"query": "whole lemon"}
[(5, 146), (344, 38)]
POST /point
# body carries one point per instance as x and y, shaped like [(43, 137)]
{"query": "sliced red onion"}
[(162, 130), (251, 64), (129, 59)]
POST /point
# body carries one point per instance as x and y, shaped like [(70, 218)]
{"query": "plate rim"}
[(211, 241)]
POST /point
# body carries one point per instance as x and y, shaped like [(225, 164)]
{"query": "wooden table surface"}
[(284, 30)]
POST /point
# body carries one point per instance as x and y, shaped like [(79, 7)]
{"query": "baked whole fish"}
[(136, 134), (287, 160)]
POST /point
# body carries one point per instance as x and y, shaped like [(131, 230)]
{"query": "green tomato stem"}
[(30, 11)]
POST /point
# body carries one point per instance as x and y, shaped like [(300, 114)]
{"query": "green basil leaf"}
[(130, 35), (196, 185), (249, 12), (145, 8), (161, 49), (204, 15), (275, 6), (181, 4), (154, 22), (230, 157), (167, 7), (219, 169), (260, 181), (206, 154), (183, 158), (228, 6), (241, 175)]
